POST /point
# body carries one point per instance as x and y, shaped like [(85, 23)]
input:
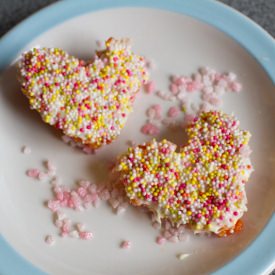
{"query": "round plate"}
[(180, 36)]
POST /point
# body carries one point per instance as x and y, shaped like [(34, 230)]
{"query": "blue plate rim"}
[(259, 256)]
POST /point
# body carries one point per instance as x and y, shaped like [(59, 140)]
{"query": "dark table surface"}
[(261, 11)]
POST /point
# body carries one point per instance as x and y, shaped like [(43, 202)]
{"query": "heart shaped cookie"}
[(202, 185), (89, 102)]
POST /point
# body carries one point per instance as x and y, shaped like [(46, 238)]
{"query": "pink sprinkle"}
[(164, 96), (236, 87), (42, 176), (173, 89), (120, 209), (173, 239), (157, 108), (173, 111), (105, 195), (150, 129), (151, 113), (156, 225), (125, 244), (160, 240), (66, 227), (114, 203), (191, 86), (33, 173), (150, 87), (167, 234), (58, 223), (215, 101), (93, 188), (50, 166), (82, 192), (84, 183), (189, 118), (53, 205), (26, 150), (49, 240), (182, 96), (85, 235), (180, 81), (154, 112)]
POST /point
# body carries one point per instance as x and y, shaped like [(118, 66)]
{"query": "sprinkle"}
[(33, 173), (165, 96), (173, 112), (215, 101), (160, 240), (50, 166), (182, 256), (125, 244), (49, 240), (173, 89), (42, 176), (236, 87), (150, 87), (150, 129), (154, 112), (120, 210), (74, 234), (85, 235), (26, 150)]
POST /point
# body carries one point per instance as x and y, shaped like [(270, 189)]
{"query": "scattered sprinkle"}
[(26, 150), (182, 256), (150, 129), (150, 87), (125, 244), (33, 173), (173, 112), (49, 240), (160, 240)]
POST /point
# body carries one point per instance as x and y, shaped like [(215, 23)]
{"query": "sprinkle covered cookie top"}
[(202, 185), (87, 101)]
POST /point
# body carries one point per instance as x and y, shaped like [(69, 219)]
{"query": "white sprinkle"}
[(26, 150), (182, 256), (80, 227), (74, 234), (42, 176), (49, 240)]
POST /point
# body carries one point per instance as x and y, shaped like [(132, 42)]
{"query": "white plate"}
[(179, 45)]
